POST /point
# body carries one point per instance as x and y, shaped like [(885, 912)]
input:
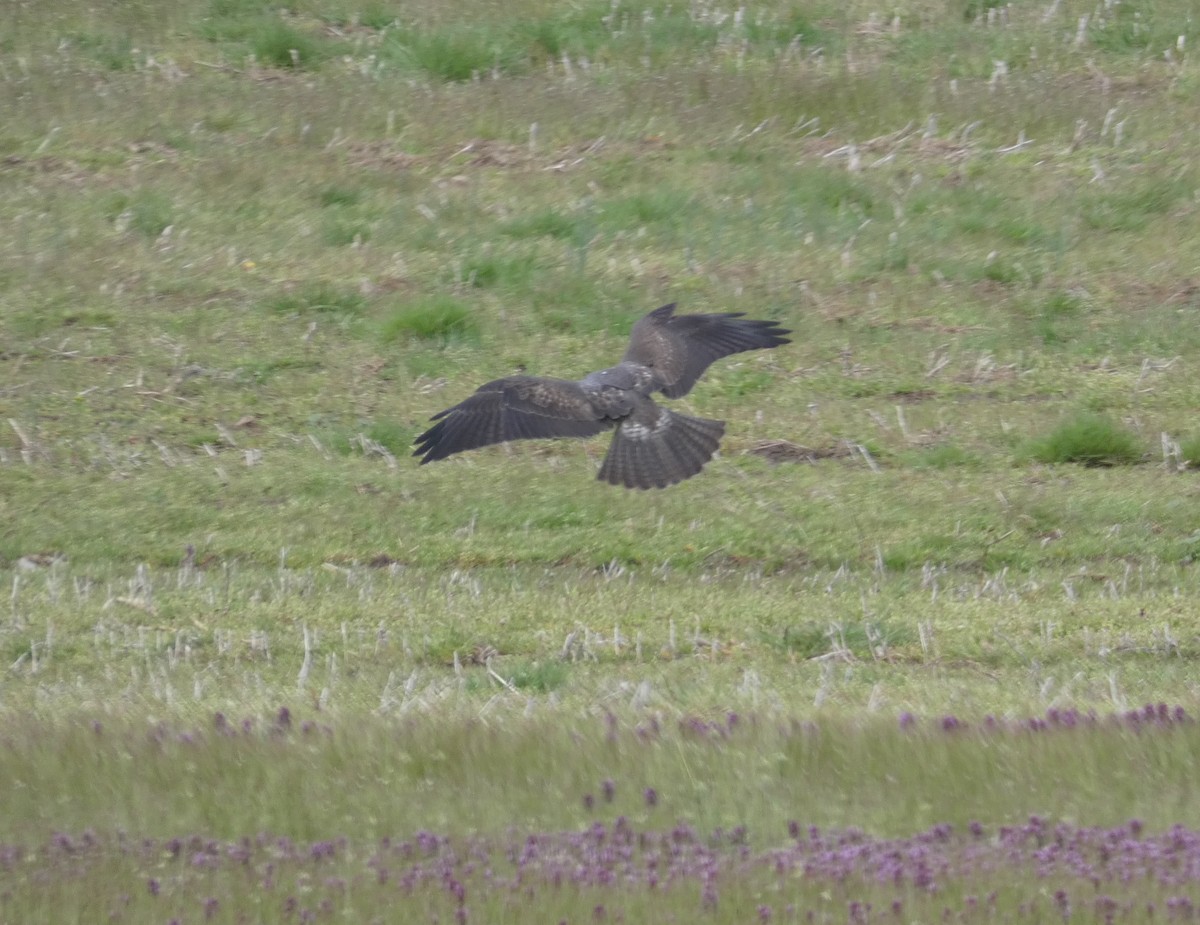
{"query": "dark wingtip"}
[(429, 445), (773, 330)]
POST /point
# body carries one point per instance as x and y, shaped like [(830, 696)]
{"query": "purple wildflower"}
[(650, 796), (1107, 907), (1063, 902), (609, 789)]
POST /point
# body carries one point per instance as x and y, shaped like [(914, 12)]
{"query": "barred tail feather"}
[(675, 448)]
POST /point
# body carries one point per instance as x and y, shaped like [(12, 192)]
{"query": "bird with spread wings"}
[(653, 447)]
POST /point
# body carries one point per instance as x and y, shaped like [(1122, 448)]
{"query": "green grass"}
[(335, 195), (115, 53), (435, 318), (319, 299), (280, 45), (550, 224), (312, 808), (1091, 439), (490, 271), (167, 780), (1189, 450), (236, 282), (455, 53)]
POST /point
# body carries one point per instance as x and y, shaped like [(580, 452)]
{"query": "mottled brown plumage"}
[(653, 447)]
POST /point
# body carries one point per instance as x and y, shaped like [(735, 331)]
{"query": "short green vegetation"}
[(1091, 439), (436, 318)]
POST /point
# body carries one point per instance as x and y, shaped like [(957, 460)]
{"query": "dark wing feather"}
[(681, 347), (515, 408)]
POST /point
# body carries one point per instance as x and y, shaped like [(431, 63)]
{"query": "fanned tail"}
[(672, 448)]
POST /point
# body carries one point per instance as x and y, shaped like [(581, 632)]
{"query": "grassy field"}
[(247, 249)]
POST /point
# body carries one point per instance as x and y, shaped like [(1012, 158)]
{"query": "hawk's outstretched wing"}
[(514, 408), (680, 348)]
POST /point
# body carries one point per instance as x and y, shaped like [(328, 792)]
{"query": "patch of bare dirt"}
[(781, 451)]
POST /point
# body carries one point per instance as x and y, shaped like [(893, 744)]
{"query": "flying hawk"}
[(652, 447)]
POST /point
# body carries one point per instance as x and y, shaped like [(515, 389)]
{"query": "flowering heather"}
[(617, 871), (630, 841), (1150, 716)]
